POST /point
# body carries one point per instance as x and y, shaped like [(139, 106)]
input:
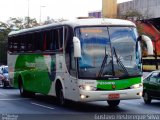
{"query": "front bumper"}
[(104, 95)]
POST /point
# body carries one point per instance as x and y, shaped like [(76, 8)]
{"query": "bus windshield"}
[(108, 52)]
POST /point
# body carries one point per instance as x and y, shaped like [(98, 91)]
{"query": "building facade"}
[(148, 8), (109, 8), (95, 14)]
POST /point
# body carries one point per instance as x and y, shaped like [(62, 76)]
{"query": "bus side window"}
[(60, 38), (15, 44), (22, 43), (44, 41), (53, 45), (57, 39), (48, 40), (39, 41), (10, 44), (29, 43)]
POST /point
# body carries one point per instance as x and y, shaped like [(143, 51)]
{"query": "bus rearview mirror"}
[(77, 47), (148, 43)]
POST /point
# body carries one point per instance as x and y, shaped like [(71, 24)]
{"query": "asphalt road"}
[(40, 105)]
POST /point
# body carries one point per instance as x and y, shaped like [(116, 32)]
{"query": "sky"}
[(56, 9)]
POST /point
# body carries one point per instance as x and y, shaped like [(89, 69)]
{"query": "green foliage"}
[(11, 25), (14, 24), (30, 22)]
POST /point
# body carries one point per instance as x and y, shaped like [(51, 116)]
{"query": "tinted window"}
[(154, 77), (46, 40), (158, 80)]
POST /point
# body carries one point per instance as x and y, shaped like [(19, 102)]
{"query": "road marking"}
[(8, 99), (42, 105)]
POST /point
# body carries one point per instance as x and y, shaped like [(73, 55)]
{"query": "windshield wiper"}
[(103, 64), (119, 61)]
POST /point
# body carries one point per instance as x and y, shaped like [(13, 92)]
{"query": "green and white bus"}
[(84, 60)]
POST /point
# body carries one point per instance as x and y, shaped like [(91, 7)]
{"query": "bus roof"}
[(76, 23), (102, 21)]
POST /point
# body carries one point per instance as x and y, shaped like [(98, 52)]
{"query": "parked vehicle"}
[(4, 76), (1, 78), (151, 87)]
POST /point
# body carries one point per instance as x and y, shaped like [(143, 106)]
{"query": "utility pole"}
[(28, 14), (40, 13)]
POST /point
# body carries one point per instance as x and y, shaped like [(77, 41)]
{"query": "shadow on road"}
[(154, 103), (77, 106)]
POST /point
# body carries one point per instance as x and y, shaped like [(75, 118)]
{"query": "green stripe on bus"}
[(117, 84)]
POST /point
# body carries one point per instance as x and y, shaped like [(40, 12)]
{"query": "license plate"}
[(113, 96)]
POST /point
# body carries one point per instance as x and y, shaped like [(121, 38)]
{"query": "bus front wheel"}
[(59, 94), (113, 103)]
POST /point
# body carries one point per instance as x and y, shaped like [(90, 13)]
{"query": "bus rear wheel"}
[(113, 103), (21, 89), (23, 92)]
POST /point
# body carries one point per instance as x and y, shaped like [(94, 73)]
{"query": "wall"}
[(149, 8)]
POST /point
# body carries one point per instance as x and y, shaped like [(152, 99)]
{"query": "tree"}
[(20, 23), (12, 25), (30, 22), (49, 20), (15, 23), (4, 30)]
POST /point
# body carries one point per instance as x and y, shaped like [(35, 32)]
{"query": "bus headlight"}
[(87, 87), (136, 86)]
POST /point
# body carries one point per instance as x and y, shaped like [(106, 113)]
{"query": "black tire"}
[(21, 89), (4, 84), (113, 103), (23, 92), (147, 99), (59, 94), (61, 98)]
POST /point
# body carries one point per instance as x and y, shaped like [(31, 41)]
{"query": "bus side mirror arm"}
[(148, 42)]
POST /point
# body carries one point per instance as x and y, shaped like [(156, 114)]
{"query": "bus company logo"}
[(31, 65), (113, 86), (90, 83), (106, 83)]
